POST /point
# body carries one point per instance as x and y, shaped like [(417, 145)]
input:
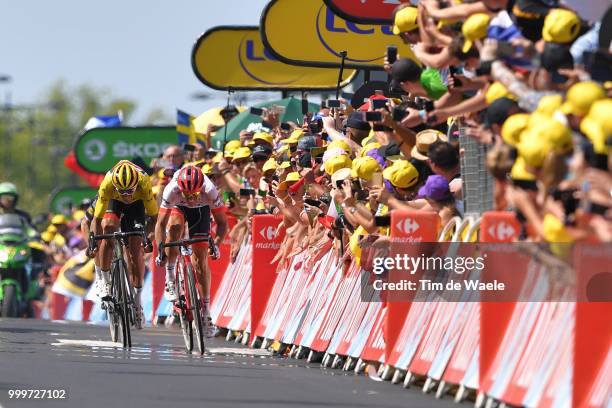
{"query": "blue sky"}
[(138, 49)]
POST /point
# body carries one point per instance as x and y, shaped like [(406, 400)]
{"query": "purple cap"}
[(375, 155), (75, 241), (435, 188)]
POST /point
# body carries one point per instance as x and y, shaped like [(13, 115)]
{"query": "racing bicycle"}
[(188, 305), (120, 308)]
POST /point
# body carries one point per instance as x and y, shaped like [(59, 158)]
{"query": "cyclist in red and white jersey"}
[(190, 197)]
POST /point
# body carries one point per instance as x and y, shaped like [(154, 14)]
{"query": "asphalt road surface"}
[(94, 372)]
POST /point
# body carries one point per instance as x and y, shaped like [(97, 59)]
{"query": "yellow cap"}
[(294, 137), (554, 230), (336, 163), (59, 219), (340, 144), (369, 147), (370, 139), (474, 28), (513, 127), (217, 158), (581, 96), (289, 180), (207, 169), (242, 153), (533, 149), (597, 125), (265, 136), (561, 26), (47, 236), (402, 174), (549, 104), (269, 165), (497, 90), (365, 167), (285, 165), (51, 229), (405, 20), (558, 136), (78, 215), (232, 145), (519, 171)]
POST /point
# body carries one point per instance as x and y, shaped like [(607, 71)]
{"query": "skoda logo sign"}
[(95, 150)]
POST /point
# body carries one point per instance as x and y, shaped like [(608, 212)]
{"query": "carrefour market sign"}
[(97, 150)]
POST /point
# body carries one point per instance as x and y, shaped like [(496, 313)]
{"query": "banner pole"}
[(343, 54), (229, 92)]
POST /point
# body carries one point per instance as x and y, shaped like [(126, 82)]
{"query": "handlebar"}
[(187, 242), (213, 249), (118, 235)]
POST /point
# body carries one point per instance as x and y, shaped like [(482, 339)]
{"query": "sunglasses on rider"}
[(126, 191), (192, 196)]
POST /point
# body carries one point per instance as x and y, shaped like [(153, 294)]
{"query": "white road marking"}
[(90, 343), (245, 351)]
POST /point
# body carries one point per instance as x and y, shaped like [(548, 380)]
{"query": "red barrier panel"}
[(407, 227), (593, 341), (236, 295), (374, 349), (335, 308), (499, 226), (467, 347), (219, 266), (266, 244)]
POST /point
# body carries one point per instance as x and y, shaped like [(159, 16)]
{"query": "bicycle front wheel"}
[(124, 302), (196, 309), (113, 313), (186, 327)]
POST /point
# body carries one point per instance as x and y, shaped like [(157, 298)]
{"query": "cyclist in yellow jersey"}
[(124, 199)]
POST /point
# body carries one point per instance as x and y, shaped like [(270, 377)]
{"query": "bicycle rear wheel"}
[(124, 302), (196, 309), (186, 327)]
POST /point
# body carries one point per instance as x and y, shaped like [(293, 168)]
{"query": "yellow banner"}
[(308, 33), (234, 57)]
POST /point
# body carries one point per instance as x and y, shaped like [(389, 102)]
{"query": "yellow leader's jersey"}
[(144, 192)]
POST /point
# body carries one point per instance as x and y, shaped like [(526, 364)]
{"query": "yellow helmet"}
[(125, 175)]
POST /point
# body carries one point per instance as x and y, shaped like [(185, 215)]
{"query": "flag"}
[(104, 121), (184, 127)]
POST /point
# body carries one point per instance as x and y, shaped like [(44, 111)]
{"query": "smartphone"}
[(256, 111), (189, 148), (391, 54), (399, 114), (312, 202), (333, 103), (318, 160), (355, 185), (379, 103), (428, 106), (379, 128), (382, 220), (285, 126), (373, 116), (455, 71), (246, 192), (361, 195), (275, 177), (339, 183)]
